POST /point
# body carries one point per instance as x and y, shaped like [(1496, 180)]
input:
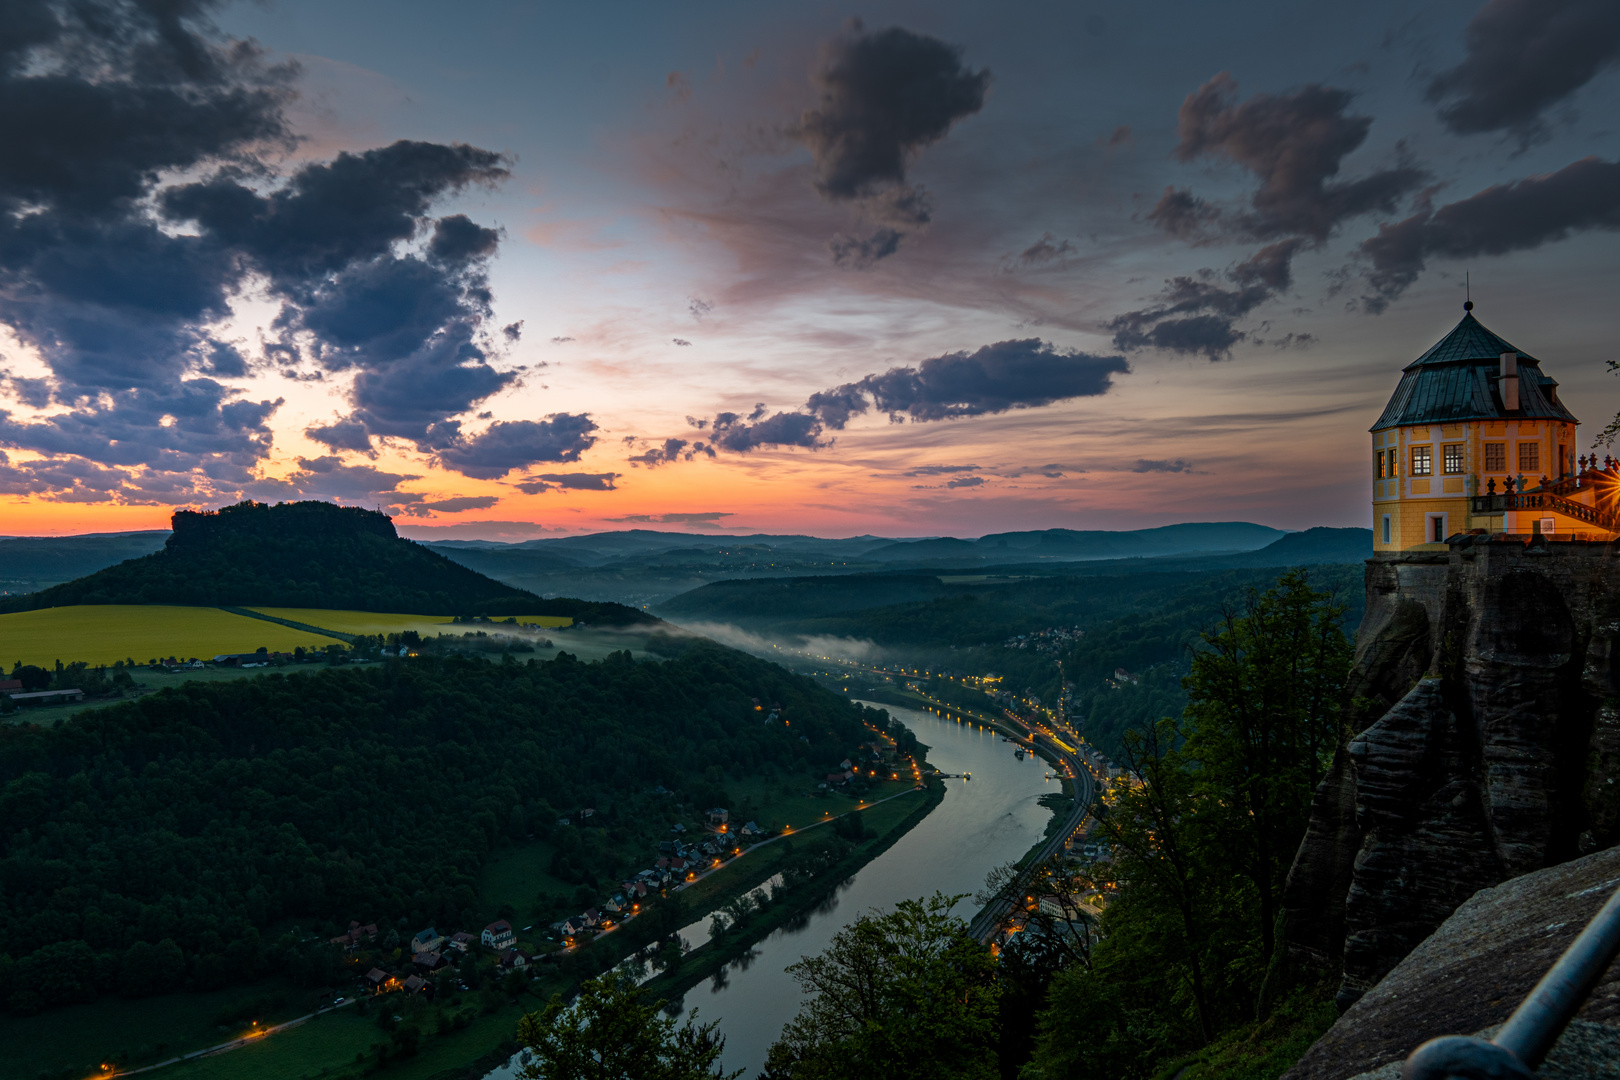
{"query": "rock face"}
[(1485, 745), (1472, 973)]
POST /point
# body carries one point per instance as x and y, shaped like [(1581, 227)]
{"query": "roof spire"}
[(1468, 292)]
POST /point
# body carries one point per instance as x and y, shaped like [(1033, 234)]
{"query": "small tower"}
[(1472, 430)]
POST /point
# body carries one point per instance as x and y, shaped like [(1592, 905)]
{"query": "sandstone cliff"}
[(1486, 744)]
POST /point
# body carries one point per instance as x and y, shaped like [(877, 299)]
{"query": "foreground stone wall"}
[(1470, 975), (1486, 745)]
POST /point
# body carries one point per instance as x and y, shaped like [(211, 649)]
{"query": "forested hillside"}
[(305, 554), (168, 842)]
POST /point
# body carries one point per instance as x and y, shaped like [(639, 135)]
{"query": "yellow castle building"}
[(1474, 439)]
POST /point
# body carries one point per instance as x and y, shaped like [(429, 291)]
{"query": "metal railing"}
[(1544, 500), (1522, 1044)]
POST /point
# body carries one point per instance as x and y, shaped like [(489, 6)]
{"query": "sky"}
[(515, 270)]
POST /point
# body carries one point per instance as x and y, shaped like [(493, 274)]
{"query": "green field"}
[(104, 633), (375, 622)]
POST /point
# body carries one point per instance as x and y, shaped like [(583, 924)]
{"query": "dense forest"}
[(170, 841), (306, 554), (1149, 951)]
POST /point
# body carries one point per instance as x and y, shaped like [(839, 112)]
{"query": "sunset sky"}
[(511, 270)]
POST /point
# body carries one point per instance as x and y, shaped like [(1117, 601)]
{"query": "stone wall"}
[(1485, 744)]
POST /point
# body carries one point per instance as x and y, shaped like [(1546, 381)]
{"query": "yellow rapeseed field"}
[(102, 633), (375, 622)]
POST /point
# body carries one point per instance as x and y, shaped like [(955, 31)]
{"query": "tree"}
[(909, 993), (1262, 724), (611, 1032)]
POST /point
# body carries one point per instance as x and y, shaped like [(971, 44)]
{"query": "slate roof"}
[(1456, 380)]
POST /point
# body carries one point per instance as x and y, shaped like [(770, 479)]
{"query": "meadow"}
[(104, 633), (374, 622)]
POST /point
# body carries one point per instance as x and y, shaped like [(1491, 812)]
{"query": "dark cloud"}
[(116, 279), (411, 325), (1196, 316), (1525, 56), (705, 519), (699, 309), (96, 100), (461, 502), (1519, 216), (671, 450), (737, 433), (1018, 374), (1048, 249), (342, 435), (996, 378), (1143, 465), (884, 97), (941, 470), (512, 444), (513, 332), (561, 340), (534, 485), (680, 341), (863, 252), (1183, 214), (1294, 144), (457, 239), (965, 481)]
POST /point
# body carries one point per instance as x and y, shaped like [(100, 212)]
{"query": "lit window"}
[(1453, 458), (1496, 457), (1380, 456), (1422, 460), (1392, 461), (1529, 457)]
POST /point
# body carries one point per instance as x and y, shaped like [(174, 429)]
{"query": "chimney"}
[(1510, 381)]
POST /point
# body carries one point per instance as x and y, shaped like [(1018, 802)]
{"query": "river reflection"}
[(984, 822)]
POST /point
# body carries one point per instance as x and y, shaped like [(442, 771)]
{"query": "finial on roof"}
[(1468, 305)]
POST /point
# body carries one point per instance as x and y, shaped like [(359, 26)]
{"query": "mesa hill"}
[(306, 554)]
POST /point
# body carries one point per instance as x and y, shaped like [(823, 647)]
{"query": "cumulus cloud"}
[(741, 434), (535, 485), (1518, 216), (1294, 144), (1144, 465), (1525, 56), (97, 99), (964, 481), (511, 444), (884, 96), (116, 274)]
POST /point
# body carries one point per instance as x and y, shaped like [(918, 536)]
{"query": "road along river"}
[(982, 823)]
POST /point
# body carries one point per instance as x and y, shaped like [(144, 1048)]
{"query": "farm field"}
[(102, 633), (374, 622)]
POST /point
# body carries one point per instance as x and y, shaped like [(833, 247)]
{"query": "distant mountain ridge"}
[(305, 554)]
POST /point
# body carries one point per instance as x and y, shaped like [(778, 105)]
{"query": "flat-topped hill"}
[(305, 554)]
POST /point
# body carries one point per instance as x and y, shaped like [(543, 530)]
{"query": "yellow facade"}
[(1424, 476)]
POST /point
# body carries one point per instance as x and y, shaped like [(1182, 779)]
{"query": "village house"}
[(376, 977), (428, 961), (718, 816), (415, 984), (355, 935), (498, 935), (461, 941), (512, 960), (428, 940)]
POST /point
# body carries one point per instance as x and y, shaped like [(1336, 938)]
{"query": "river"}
[(982, 823)]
